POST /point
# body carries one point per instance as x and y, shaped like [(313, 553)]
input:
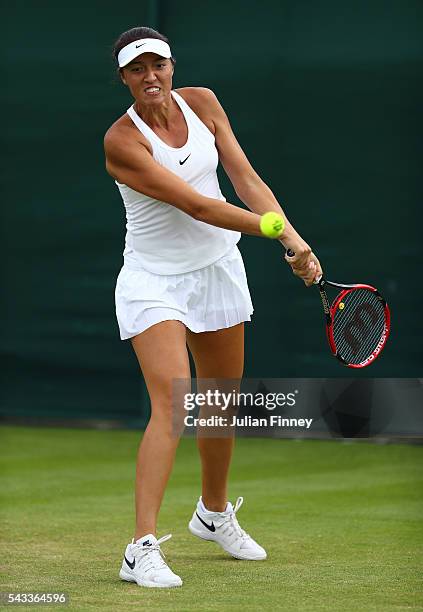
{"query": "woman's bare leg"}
[(162, 354), (220, 355)]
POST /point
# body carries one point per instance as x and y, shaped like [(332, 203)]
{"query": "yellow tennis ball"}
[(272, 224), (341, 306)]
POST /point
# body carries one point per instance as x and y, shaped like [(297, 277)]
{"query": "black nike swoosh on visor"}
[(209, 527)]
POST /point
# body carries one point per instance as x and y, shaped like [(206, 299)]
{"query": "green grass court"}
[(342, 524)]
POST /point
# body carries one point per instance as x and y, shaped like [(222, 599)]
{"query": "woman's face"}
[(149, 78)]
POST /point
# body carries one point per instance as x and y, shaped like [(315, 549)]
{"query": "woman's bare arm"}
[(253, 191), (129, 162)]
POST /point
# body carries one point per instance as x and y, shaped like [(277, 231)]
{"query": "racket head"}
[(358, 325)]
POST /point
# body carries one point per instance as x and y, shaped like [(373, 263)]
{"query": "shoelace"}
[(151, 557), (230, 525)]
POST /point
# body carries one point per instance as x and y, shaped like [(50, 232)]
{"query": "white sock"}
[(204, 509)]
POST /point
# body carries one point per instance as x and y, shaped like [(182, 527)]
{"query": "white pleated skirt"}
[(212, 298)]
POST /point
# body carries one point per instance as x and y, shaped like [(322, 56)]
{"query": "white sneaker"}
[(224, 529), (144, 564)]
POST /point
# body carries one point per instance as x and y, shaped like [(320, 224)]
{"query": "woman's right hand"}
[(304, 262)]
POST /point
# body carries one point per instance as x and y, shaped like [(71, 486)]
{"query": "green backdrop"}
[(325, 98)]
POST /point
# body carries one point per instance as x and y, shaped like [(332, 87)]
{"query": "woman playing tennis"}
[(183, 284)]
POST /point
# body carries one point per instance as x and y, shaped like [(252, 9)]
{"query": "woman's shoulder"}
[(201, 96), (203, 102), (122, 130), (119, 127)]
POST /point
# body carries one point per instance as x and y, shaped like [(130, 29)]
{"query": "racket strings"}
[(360, 332), (358, 327)]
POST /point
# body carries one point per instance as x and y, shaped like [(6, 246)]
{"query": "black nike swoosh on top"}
[(141, 45), (131, 565), (182, 162), (209, 527)]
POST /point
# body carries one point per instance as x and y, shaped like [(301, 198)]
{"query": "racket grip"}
[(317, 280)]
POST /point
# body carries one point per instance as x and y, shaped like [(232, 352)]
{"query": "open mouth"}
[(152, 90)]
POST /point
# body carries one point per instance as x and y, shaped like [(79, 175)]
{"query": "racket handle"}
[(290, 253)]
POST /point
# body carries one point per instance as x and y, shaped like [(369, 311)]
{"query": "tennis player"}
[(183, 281)]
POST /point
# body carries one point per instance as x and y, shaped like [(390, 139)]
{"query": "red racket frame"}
[(331, 315)]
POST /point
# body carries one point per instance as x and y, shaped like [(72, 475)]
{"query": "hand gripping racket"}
[(357, 322)]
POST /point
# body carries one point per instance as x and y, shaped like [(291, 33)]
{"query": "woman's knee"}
[(164, 422)]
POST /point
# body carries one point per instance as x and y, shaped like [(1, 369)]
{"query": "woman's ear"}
[(122, 77)]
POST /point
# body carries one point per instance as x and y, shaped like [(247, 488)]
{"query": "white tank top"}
[(161, 238)]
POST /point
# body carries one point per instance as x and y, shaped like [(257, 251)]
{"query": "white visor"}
[(144, 45)]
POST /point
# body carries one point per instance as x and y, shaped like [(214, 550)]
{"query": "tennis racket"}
[(357, 322)]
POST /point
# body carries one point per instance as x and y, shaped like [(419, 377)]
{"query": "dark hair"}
[(135, 34)]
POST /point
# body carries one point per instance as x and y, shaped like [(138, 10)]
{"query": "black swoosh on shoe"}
[(209, 527), (131, 565)]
